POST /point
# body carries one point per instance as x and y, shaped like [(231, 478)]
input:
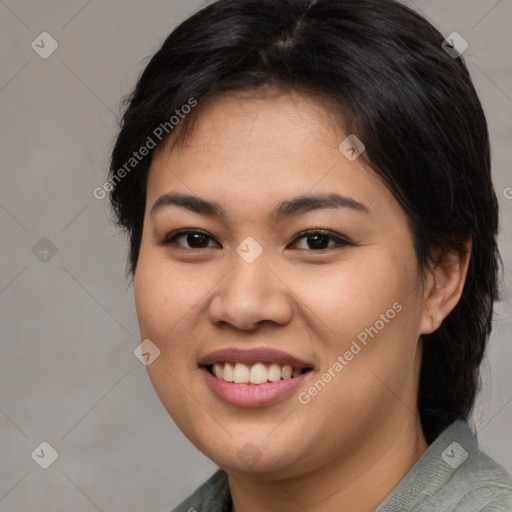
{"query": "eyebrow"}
[(295, 206)]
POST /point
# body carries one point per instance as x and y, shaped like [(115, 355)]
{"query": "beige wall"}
[(68, 375)]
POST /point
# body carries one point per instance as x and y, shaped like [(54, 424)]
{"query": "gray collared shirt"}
[(453, 475)]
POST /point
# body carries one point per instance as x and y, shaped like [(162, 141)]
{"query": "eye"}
[(319, 240), (313, 239), (194, 238)]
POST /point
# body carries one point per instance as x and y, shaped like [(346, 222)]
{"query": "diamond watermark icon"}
[(249, 454), (455, 45), (44, 455), (351, 147), (44, 45), (249, 250), (454, 455), (146, 352), (44, 250)]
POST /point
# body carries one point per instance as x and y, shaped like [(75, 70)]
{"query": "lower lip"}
[(252, 395)]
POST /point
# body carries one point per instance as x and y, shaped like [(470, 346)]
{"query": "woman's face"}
[(342, 309)]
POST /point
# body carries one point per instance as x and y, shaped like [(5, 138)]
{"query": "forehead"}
[(249, 130), (261, 149), (261, 108)]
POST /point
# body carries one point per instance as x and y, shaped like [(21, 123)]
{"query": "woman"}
[(307, 191)]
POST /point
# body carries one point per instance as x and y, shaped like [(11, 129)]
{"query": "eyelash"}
[(171, 238)]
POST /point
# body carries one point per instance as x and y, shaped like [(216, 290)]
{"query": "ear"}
[(443, 287)]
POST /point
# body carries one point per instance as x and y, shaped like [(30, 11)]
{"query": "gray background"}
[(68, 375)]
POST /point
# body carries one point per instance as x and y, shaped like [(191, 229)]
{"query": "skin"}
[(357, 438)]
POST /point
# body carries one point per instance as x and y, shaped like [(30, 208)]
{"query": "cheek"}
[(164, 295), (368, 352), (373, 314), (164, 299), (346, 300)]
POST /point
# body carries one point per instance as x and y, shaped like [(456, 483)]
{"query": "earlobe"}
[(443, 287)]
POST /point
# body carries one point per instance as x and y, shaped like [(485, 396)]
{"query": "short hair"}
[(410, 101)]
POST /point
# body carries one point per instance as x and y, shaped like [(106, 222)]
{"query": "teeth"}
[(258, 373), (227, 373), (287, 372), (274, 372), (241, 373), (218, 370)]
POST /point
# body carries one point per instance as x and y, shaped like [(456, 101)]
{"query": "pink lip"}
[(252, 356), (252, 395)]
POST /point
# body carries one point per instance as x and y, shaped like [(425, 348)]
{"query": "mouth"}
[(256, 374), (253, 378)]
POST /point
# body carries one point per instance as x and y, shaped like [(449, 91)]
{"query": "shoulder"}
[(453, 475), (212, 496), (484, 485)]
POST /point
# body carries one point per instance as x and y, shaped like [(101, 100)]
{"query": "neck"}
[(357, 481)]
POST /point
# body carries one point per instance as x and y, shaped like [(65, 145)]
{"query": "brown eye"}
[(194, 239), (319, 240)]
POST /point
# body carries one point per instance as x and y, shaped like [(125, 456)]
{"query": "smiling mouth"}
[(257, 374)]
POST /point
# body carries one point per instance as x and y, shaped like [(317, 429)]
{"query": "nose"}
[(249, 295)]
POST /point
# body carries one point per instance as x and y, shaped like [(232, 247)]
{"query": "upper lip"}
[(253, 356)]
